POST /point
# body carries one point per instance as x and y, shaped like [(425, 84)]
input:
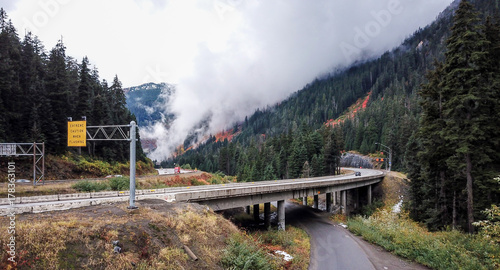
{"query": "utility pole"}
[(390, 154)]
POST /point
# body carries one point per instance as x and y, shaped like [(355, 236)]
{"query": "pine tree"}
[(10, 91), (435, 174), (468, 98), (85, 91), (119, 112), (59, 94)]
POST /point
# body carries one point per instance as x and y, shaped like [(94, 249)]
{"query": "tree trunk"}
[(454, 224), (442, 198), (470, 201)]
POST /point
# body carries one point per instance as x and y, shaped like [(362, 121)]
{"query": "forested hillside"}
[(451, 150), (39, 90), (389, 118)]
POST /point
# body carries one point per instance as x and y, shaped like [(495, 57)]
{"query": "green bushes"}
[(490, 228), (186, 167), (243, 254), (90, 186), (116, 184), (438, 250), (119, 183)]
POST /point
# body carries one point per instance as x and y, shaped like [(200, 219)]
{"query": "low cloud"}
[(278, 47), (226, 57)]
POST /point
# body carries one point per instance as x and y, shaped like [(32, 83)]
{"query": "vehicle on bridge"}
[(357, 173)]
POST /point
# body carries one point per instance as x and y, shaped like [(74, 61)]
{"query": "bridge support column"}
[(369, 194), (267, 215), (304, 201), (356, 194), (328, 202), (256, 212), (247, 209), (343, 197), (316, 202), (281, 215), (334, 194)]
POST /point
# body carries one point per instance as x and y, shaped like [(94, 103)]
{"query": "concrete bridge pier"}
[(316, 202), (356, 198), (328, 202), (369, 195), (281, 215), (304, 201), (247, 209), (343, 196), (267, 215), (256, 212)]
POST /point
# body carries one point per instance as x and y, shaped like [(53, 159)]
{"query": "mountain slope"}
[(391, 115), (147, 102)]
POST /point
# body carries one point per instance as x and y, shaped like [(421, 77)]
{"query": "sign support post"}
[(132, 165), (117, 133)]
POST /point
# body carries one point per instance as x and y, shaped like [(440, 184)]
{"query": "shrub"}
[(243, 254), (120, 183), (368, 210), (490, 228), (186, 167), (90, 186)]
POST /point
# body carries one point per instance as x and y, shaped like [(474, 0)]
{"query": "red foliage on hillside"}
[(226, 135), (351, 112)]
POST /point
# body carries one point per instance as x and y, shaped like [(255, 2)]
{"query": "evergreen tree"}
[(466, 89), (59, 94), (85, 91), (459, 130), (10, 91)]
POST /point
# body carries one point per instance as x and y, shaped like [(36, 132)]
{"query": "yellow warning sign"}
[(77, 133)]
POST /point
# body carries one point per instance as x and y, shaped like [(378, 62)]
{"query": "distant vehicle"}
[(357, 173), (112, 176), (23, 181)]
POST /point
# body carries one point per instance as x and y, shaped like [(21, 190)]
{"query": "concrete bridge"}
[(347, 190), (337, 189)]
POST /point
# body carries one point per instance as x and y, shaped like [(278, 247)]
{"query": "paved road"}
[(331, 247), (334, 247)]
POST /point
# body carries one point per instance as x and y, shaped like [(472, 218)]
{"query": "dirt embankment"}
[(151, 237), (394, 188)]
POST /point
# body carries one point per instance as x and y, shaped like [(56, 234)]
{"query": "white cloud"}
[(227, 57)]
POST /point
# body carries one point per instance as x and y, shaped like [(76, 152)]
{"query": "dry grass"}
[(151, 237)]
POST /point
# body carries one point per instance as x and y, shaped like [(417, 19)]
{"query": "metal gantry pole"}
[(132, 164), (34, 164), (390, 154)]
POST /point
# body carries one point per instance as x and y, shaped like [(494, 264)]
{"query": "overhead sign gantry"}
[(106, 133)]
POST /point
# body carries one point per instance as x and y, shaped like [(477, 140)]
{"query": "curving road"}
[(331, 247), (334, 248)]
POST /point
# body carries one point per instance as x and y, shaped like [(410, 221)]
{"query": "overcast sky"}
[(227, 57)]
